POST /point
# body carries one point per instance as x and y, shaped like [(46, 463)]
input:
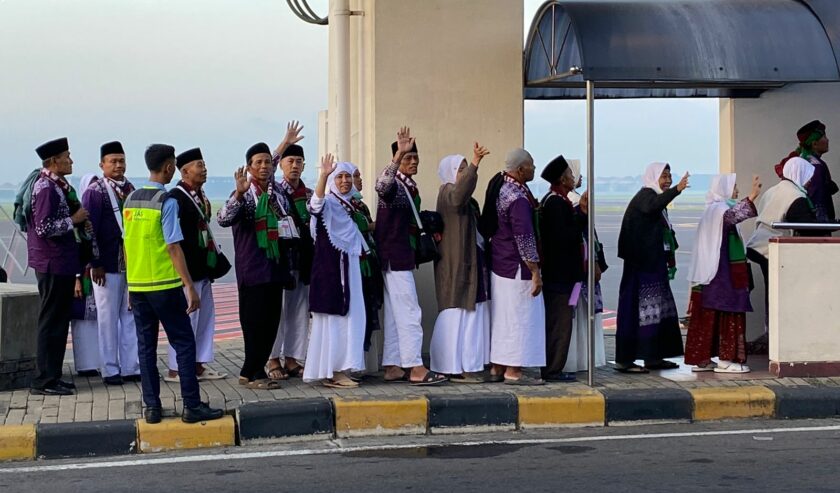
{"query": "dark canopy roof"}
[(680, 48)]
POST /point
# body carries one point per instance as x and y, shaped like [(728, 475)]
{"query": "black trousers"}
[(558, 331), (167, 308), (259, 314), (56, 292)]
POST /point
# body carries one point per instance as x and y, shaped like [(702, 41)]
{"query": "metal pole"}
[(590, 217)]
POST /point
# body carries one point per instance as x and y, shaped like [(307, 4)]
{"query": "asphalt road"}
[(737, 456)]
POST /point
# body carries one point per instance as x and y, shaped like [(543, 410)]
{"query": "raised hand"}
[(326, 167), (756, 188), (327, 164), (293, 129), (243, 181), (479, 151), (683, 184), (584, 202), (405, 142)]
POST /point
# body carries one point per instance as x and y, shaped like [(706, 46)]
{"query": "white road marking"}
[(372, 448)]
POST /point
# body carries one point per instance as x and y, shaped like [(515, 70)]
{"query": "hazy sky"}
[(223, 74)]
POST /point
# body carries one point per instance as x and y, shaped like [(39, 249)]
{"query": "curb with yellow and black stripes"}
[(341, 417)]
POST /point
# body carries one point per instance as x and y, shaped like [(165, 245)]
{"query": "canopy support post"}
[(590, 218)]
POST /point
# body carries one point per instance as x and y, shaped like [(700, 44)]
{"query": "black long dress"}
[(648, 325)]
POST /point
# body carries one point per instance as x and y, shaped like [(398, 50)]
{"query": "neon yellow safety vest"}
[(148, 265)]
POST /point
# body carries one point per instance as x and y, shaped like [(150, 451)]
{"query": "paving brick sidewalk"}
[(96, 402)]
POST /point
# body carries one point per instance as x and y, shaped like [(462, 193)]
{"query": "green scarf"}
[(415, 232), (265, 222), (87, 285), (805, 150), (738, 270), (671, 241)]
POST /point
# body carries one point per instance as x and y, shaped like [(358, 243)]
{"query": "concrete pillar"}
[(450, 70)]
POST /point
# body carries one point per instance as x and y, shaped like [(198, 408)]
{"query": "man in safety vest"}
[(157, 275)]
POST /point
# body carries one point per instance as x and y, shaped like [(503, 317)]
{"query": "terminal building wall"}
[(755, 134)]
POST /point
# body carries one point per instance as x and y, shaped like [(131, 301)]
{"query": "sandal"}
[(403, 379), (276, 373), (209, 374), (296, 372), (466, 378), (243, 381), (263, 384), (632, 368), (732, 368), (496, 378), (524, 380), (339, 384), (431, 378), (662, 365)]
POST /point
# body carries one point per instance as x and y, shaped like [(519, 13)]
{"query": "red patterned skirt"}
[(714, 333)]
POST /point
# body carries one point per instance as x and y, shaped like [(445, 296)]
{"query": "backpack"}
[(23, 201)]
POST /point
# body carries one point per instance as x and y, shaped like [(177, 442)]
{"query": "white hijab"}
[(799, 171), (573, 194), (85, 182), (341, 229), (448, 168), (652, 174), (707, 243)]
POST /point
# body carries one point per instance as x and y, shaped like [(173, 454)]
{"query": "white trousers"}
[(203, 323), (337, 343), (578, 348), (85, 345), (517, 323), (293, 332), (403, 328), (117, 334), (461, 340)]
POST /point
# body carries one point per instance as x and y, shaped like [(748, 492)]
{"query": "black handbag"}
[(427, 250), (221, 269)]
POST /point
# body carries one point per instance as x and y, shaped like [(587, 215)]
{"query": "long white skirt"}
[(336, 343), (578, 353), (517, 323), (85, 345), (461, 340)]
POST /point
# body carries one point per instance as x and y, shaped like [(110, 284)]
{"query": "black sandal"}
[(632, 369), (662, 365), (431, 378), (277, 374)]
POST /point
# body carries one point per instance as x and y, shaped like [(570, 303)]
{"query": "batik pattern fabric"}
[(58, 222), (647, 327), (512, 198), (714, 333)]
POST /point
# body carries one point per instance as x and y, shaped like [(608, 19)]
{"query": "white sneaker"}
[(730, 367)]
